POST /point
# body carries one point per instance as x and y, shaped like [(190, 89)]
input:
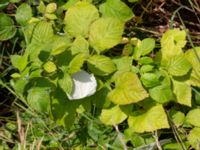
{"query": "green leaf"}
[(123, 63), (65, 82), (70, 3), (105, 33), (146, 46), (153, 119), (150, 79), (63, 111), (162, 93), (172, 43), (112, 116), (76, 63), (192, 58), (128, 90), (178, 65), (39, 99), (19, 85), (7, 27), (145, 60), (194, 138), (43, 33), (79, 17), (116, 9), (101, 65), (19, 62), (146, 68), (193, 117), (80, 45), (60, 44), (23, 14), (183, 92), (177, 117), (50, 67)]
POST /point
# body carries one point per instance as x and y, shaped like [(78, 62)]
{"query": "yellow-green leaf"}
[(153, 119), (172, 43), (49, 67), (193, 117), (194, 60), (105, 33), (80, 45), (112, 116), (79, 17), (76, 63), (116, 9), (178, 65), (194, 138), (128, 90), (101, 65), (183, 92)]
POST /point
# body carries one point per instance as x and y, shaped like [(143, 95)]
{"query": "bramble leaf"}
[(39, 99), (7, 28), (172, 43), (178, 65), (23, 14), (20, 62), (112, 116), (192, 58), (128, 90), (116, 9), (193, 117), (153, 119), (194, 138), (101, 65), (183, 92), (65, 82), (79, 17), (76, 63), (105, 33), (80, 45)]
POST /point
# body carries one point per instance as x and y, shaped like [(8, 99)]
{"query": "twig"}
[(120, 137), (155, 135)]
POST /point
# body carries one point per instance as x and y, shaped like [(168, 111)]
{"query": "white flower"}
[(84, 85)]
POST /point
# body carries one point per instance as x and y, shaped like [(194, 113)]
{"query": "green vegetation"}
[(77, 79)]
